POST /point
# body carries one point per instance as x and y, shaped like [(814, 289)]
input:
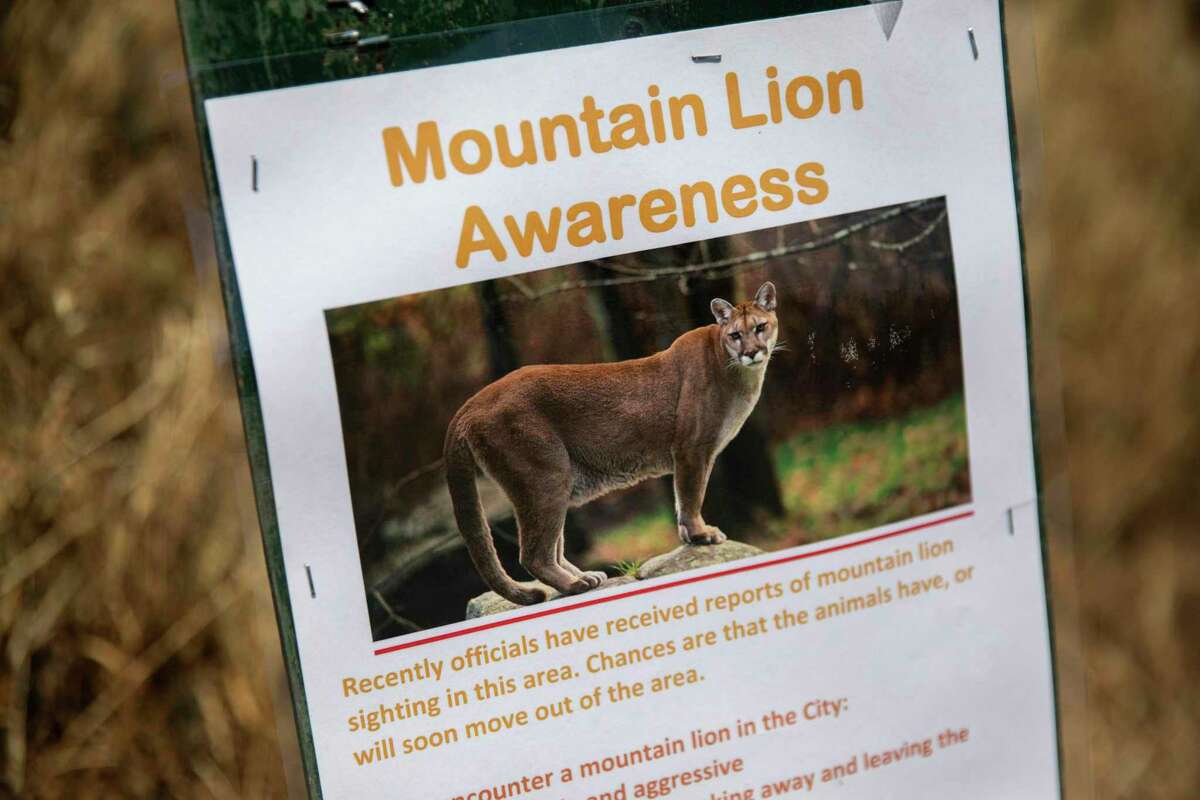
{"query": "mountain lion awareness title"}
[(413, 155)]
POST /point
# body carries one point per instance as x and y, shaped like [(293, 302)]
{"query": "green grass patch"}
[(834, 481), (636, 540), (860, 475)]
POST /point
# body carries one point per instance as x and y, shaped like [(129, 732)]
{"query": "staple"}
[(342, 38), (1008, 515), (357, 6), (312, 589), (254, 173), (974, 45), (370, 42), (711, 59)]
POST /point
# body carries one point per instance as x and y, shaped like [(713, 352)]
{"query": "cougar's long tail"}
[(472, 523)]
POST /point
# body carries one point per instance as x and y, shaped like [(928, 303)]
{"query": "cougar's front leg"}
[(691, 481)]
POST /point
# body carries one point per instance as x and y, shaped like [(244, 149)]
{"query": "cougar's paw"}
[(595, 578), (703, 534), (579, 585), (710, 534)]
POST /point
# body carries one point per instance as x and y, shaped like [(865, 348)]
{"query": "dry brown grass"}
[(136, 647), (1121, 109), (131, 613)]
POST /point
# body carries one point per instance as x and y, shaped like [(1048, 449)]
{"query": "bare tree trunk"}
[(502, 352), (618, 322)]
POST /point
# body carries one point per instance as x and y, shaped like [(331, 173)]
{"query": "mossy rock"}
[(490, 603), (681, 559), (694, 556)]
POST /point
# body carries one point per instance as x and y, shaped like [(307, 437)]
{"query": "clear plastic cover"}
[(871, 237)]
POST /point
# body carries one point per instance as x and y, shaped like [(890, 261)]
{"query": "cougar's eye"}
[(760, 327), (735, 336)]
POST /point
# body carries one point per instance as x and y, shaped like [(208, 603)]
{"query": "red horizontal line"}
[(613, 597)]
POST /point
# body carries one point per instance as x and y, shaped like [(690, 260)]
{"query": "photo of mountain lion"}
[(557, 436)]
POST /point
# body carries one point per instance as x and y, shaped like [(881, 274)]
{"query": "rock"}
[(490, 603), (681, 559), (694, 556)]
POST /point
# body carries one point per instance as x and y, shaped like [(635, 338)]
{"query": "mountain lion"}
[(557, 436)]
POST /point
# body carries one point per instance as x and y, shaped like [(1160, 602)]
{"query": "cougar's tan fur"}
[(557, 436)]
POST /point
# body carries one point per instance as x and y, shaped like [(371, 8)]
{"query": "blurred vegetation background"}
[(138, 656), (861, 421)]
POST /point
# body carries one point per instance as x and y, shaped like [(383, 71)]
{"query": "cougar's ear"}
[(765, 298), (721, 309)]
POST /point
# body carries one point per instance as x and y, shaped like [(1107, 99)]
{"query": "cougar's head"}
[(749, 330)]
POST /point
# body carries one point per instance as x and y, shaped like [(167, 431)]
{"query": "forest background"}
[(861, 421)]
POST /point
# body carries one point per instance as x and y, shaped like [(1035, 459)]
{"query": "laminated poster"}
[(649, 418)]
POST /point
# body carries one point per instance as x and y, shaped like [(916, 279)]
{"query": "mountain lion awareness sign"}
[(642, 412)]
